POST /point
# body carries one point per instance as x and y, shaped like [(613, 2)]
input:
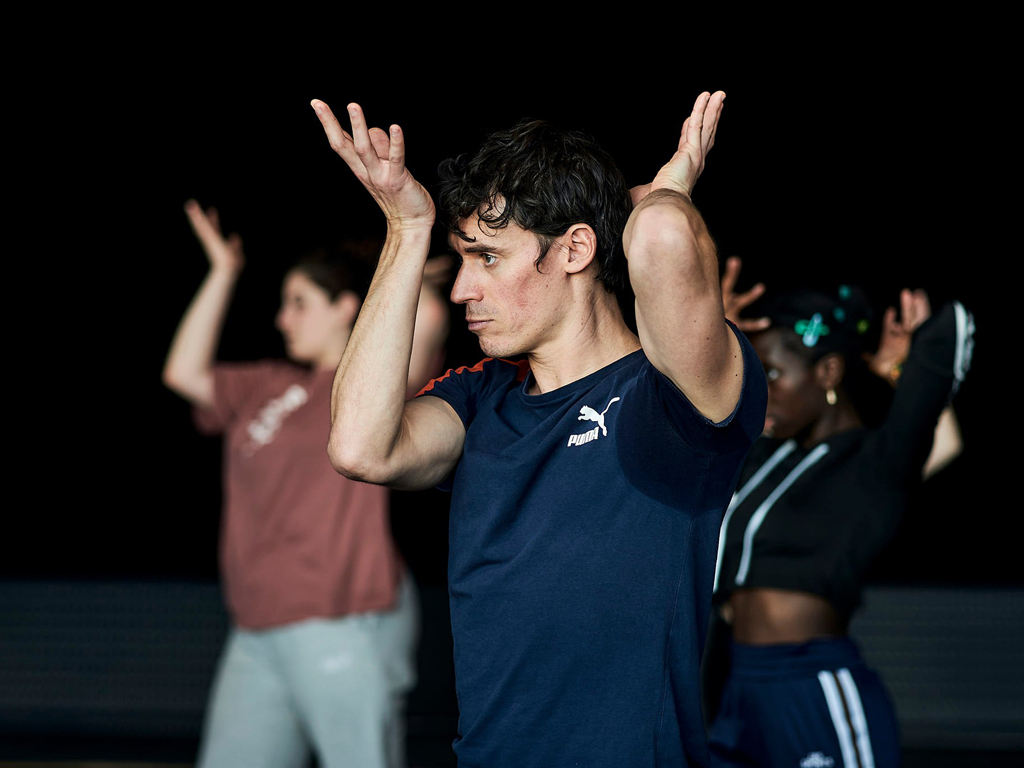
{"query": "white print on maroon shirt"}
[(589, 414), (271, 416)]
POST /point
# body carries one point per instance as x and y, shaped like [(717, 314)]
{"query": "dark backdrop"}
[(822, 173)]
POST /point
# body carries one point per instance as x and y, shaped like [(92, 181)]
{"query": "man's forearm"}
[(370, 386)]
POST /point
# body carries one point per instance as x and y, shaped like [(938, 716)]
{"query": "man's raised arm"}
[(375, 435), (673, 268)]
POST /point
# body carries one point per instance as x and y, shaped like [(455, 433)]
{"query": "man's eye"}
[(771, 373), (488, 258)]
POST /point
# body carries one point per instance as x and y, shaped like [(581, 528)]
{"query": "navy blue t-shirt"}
[(583, 535)]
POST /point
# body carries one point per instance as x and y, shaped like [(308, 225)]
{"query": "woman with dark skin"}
[(819, 497)]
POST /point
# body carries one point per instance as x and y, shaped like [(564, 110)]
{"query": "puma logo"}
[(589, 414)]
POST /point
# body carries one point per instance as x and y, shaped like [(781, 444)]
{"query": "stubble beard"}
[(499, 348)]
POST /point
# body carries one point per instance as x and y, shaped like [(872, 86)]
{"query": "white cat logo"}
[(589, 414)]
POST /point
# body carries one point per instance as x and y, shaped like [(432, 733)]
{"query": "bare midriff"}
[(772, 616)]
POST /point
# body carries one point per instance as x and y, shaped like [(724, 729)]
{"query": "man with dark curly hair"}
[(589, 477)]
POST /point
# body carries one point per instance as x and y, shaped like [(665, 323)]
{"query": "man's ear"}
[(580, 244), (829, 371)]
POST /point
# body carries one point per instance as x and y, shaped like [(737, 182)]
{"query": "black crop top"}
[(813, 520)]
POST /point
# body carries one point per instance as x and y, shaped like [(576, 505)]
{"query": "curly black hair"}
[(545, 180)]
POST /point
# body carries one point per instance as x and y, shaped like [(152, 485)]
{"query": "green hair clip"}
[(811, 330)]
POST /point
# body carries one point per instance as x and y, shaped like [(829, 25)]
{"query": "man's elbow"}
[(661, 232), (356, 462)]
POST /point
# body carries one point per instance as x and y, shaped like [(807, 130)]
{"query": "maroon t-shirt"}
[(298, 540)]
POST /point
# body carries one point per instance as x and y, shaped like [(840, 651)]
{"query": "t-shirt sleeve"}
[(939, 358), (462, 388), (739, 429), (233, 385)]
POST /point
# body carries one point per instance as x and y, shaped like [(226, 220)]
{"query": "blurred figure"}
[(325, 617), (818, 498)]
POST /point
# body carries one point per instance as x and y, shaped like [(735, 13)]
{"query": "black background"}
[(883, 171)]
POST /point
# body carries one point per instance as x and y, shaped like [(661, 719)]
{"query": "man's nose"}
[(466, 288)]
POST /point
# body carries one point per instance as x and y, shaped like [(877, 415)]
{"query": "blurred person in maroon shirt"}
[(325, 616)]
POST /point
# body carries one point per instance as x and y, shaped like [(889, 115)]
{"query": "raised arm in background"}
[(188, 369), (673, 268), (376, 436), (887, 362)]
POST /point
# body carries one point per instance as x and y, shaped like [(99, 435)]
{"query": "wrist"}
[(669, 184), (405, 246), (411, 229), (894, 373), (226, 271)]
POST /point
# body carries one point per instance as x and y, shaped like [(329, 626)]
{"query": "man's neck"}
[(589, 341)]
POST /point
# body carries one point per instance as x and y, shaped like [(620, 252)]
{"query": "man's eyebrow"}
[(481, 248), (458, 245), (455, 242)]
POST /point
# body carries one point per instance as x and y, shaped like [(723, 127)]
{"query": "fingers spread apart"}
[(365, 149), (339, 139)]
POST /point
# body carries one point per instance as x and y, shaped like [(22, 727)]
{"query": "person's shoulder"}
[(490, 370), (239, 387), (466, 387), (738, 430), (268, 365), (256, 376)]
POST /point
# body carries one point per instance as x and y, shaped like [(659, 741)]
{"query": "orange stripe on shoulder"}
[(464, 369), (523, 365)]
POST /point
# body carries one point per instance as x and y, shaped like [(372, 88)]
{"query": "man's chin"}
[(493, 348)]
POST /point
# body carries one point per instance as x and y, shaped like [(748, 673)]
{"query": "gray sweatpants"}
[(334, 686)]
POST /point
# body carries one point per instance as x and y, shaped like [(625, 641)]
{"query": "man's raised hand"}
[(377, 158), (697, 137)]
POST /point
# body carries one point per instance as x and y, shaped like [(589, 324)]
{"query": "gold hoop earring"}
[(830, 396)]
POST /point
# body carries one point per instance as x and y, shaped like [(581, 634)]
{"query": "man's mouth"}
[(476, 325)]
